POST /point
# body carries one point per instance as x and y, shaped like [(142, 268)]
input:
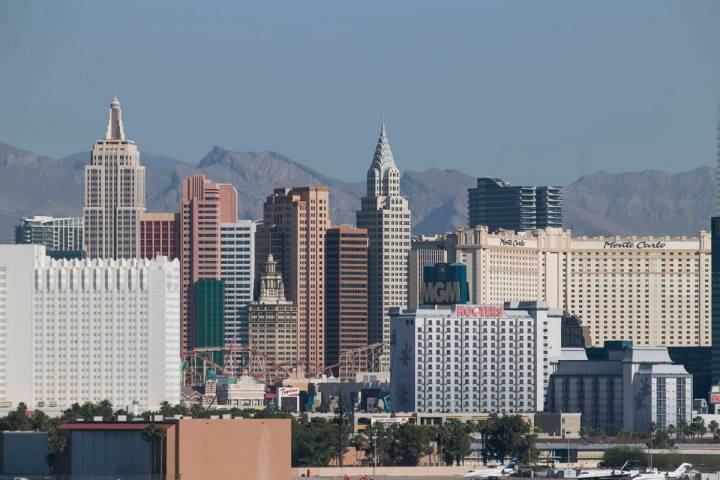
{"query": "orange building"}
[(302, 215), (346, 296), (204, 206), (191, 449)]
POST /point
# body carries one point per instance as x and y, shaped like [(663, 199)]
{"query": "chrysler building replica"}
[(386, 216), (114, 194)]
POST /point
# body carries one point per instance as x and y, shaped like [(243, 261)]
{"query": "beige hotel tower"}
[(386, 216), (114, 194)]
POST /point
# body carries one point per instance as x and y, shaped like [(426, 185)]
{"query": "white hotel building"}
[(468, 359), (650, 290), (87, 330)]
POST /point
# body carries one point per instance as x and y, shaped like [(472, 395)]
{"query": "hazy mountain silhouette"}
[(648, 202)]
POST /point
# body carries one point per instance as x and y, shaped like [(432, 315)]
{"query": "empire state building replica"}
[(114, 193)]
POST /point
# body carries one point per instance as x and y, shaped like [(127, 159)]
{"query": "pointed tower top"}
[(115, 130), (383, 157)]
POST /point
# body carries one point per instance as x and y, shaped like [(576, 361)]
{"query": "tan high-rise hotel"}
[(650, 290), (114, 193), (302, 216)]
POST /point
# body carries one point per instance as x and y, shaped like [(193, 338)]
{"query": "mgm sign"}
[(444, 284)]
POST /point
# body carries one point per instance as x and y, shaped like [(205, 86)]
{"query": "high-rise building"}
[(627, 388), (386, 217), (473, 358), (272, 320), (88, 330), (159, 235), (424, 251), (114, 194), (346, 300), (237, 270), (269, 240), (61, 235), (651, 290), (204, 207), (303, 216), (208, 326), (715, 249), (715, 299), (498, 205)]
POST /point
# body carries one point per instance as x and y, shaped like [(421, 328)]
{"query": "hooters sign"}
[(478, 311)]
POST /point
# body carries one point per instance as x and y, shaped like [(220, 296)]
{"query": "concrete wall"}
[(238, 448)]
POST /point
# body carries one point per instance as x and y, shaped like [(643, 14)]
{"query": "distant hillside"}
[(255, 175), (643, 203), (647, 202)]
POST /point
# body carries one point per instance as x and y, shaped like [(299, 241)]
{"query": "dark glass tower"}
[(715, 298), (498, 205)]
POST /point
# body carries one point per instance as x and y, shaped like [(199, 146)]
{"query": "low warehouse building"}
[(178, 448)]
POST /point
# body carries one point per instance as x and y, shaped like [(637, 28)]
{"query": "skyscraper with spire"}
[(386, 216), (114, 193)]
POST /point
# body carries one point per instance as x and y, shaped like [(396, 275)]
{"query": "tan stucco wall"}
[(234, 448)]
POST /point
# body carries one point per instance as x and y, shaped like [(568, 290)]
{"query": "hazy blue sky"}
[(533, 91)]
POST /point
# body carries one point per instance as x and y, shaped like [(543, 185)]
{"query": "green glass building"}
[(209, 312)]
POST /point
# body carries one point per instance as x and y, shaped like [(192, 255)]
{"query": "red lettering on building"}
[(479, 311)]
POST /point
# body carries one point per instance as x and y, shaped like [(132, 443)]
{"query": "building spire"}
[(115, 130), (383, 157)]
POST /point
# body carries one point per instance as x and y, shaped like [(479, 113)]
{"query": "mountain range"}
[(644, 203)]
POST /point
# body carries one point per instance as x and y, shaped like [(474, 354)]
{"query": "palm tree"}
[(156, 436), (483, 427), (683, 429), (713, 427)]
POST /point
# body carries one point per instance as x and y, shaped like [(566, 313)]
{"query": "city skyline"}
[(525, 277), (504, 94)]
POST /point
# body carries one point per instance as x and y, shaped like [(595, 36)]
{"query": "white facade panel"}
[(90, 330), (444, 362)]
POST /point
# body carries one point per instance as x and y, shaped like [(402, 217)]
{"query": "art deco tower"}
[(386, 216), (114, 193)]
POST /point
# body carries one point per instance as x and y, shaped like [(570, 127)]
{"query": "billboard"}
[(289, 392), (444, 284), (479, 311)]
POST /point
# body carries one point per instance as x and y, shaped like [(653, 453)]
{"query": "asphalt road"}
[(385, 477)]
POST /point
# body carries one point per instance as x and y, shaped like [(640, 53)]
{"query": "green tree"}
[(683, 429), (713, 427), (484, 428), (455, 441), (697, 427), (616, 457), (313, 442), (410, 443), (343, 426), (156, 436), (56, 445), (510, 436), (661, 439)]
